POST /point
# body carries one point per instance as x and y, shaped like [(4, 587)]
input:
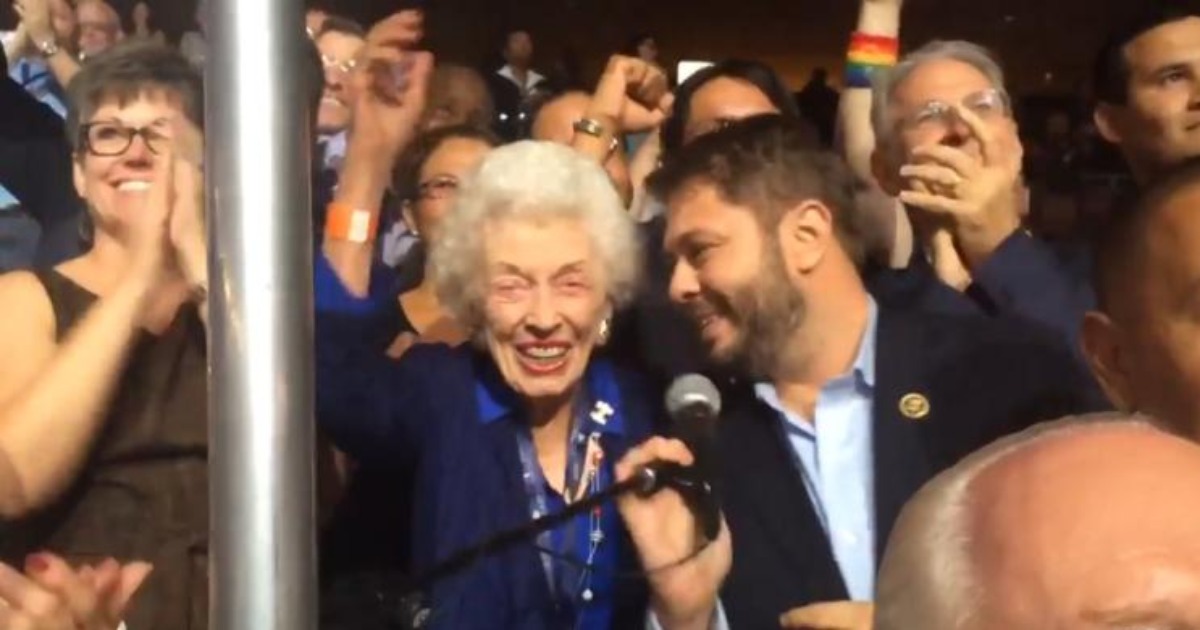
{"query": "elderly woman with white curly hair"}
[(533, 260)]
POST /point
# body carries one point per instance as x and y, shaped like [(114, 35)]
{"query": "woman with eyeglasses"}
[(103, 389), (429, 180)]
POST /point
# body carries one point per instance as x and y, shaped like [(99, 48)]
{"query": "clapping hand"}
[(185, 198), (166, 232), (979, 196), (35, 15), (53, 596)]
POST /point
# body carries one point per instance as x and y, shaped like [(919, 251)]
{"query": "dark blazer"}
[(1024, 277), (983, 378), (35, 166), (423, 411)]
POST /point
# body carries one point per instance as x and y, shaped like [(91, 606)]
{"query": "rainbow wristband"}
[(867, 55)]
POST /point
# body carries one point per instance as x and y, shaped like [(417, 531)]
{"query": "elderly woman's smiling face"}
[(533, 258), (545, 302)]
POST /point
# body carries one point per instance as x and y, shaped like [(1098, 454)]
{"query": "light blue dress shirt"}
[(334, 150), (835, 456), (35, 76)]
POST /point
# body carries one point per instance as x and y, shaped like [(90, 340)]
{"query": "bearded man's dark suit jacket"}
[(980, 379)]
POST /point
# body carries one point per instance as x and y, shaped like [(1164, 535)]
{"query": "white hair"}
[(884, 84), (532, 181), (927, 577)]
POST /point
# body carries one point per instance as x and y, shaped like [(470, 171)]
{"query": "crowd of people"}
[(939, 411)]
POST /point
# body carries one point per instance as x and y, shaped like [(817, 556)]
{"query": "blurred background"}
[(1046, 44)]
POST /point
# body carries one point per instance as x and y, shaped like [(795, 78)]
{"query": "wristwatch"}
[(595, 129), (48, 47), (590, 126)]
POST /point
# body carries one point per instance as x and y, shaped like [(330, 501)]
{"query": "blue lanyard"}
[(583, 431)]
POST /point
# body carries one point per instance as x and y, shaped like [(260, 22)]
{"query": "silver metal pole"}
[(263, 550)]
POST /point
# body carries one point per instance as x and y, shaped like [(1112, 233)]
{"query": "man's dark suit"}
[(1021, 279), (35, 166), (981, 378)]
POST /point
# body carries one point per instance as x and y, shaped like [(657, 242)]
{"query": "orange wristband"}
[(345, 223)]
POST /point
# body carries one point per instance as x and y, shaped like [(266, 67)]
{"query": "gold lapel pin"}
[(914, 406)]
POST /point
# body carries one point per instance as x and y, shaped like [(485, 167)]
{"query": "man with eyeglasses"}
[(947, 147), (339, 42), (99, 27)]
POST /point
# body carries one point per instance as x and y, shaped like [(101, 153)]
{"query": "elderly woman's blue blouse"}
[(446, 414)]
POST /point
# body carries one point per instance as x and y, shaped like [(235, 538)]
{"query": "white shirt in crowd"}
[(532, 78)]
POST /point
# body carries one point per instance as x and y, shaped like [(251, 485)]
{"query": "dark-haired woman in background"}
[(429, 182), (366, 543)]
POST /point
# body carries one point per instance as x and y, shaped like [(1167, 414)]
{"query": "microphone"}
[(694, 405)]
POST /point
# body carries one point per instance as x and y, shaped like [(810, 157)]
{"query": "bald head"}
[(555, 122), (1143, 341), (1129, 236), (556, 119), (1089, 524)]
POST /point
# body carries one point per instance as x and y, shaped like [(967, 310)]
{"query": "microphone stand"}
[(414, 614)]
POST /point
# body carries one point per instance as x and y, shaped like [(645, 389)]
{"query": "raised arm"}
[(389, 84), (641, 165), (35, 16), (878, 21), (358, 404), (632, 96)]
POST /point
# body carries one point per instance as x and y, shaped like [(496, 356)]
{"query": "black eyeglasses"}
[(108, 139)]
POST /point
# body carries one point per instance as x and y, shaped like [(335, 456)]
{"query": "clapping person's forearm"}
[(390, 83)]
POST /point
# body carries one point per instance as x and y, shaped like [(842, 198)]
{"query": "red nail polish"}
[(36, 563)]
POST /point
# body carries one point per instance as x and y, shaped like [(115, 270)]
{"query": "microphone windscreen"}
[(691, 392)]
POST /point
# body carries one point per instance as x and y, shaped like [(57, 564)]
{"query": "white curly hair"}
[(532, 181)]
